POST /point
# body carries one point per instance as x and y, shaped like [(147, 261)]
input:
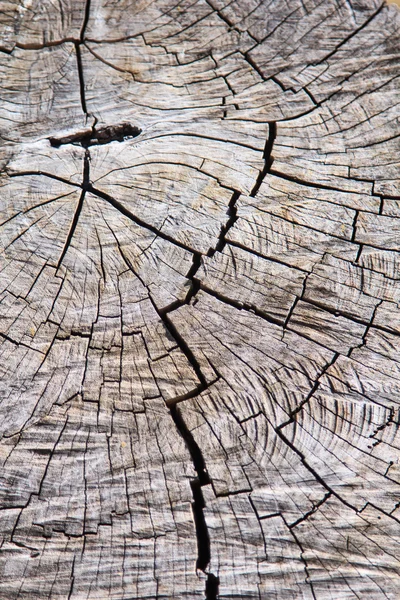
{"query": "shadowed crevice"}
[(212, 587), (85, 21), (98, 137), (267, 155), (198, 504)]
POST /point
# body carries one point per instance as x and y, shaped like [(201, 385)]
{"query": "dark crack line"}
[(313, 472), (102, 136), (184, 347), (81, 79), (314, 509), (273, 259), (311, 393), (223, 17), (318, 186), (251, 308), (303, 559), (335, 312), (52, 44), (233, 217), (78, 209), (198, 504), (191, 275), (34, 207), (121, 208), (42, 173), (72, 228), (367, 329), (7, 338), (239, 305), (180, 341), (77, 45), (85, 21), (252, 63), (267, 155), (352, 34)]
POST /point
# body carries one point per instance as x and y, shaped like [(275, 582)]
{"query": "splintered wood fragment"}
[(199, 300)]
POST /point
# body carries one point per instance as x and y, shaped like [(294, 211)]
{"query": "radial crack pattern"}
[(199, 300)]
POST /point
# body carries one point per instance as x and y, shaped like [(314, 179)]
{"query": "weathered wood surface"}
[(200, 360)]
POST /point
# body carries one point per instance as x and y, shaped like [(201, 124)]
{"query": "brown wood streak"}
[(199, 300)]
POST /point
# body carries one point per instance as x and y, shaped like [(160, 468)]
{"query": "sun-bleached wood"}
[(199, 300)]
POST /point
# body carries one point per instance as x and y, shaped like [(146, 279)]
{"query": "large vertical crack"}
[(79, 58), (85, 21), (80, 75), (203, 479), (198, 504)]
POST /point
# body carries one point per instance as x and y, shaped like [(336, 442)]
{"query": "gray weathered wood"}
[(199, 300)]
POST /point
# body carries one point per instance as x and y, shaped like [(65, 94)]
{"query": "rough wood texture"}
[(200, 291)]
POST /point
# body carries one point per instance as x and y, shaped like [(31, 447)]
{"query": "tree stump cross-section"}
[(199, 300)]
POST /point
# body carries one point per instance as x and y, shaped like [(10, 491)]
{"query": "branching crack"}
[(199, 476)]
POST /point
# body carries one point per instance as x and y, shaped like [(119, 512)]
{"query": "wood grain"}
[(199, 300)]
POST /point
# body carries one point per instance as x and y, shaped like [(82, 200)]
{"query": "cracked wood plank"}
[(199, 300)]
